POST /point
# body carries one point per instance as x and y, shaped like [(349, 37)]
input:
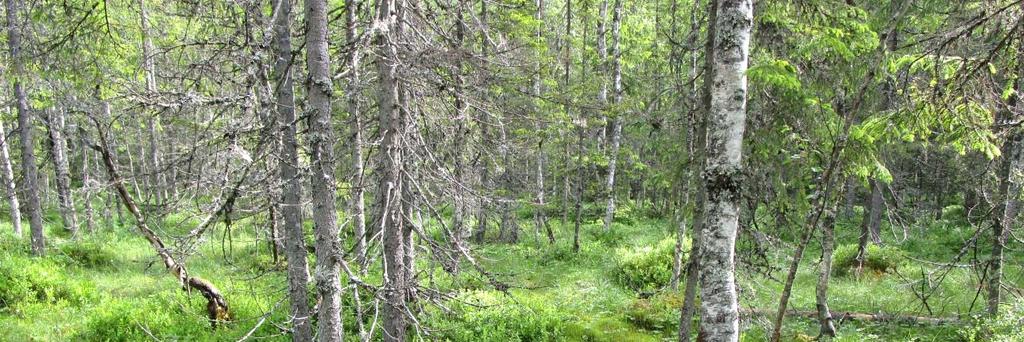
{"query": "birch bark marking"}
[(722, 173)]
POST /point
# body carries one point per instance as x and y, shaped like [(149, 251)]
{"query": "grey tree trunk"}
[(358, 204), (87, 189), (30, 172), (389, 199), (700, 133), (602, 68), (719, 308), (288, 175), (821, 290), (149, 68), (7, 172), (613, 155), (62, 174), (354, 109), (540, 209), (1010, 191), (327, 243)]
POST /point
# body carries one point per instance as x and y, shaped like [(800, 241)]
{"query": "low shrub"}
[(87, 254), (611, 237), (490, 316), (660, 312), (1007, 327), (646, 268), (880, 259), (26, 280)]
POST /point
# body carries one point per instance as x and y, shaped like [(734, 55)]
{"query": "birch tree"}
[(722, 173)]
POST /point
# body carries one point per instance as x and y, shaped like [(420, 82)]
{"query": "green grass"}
[(109, 286)]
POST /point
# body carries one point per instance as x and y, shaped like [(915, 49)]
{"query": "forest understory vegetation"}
[(511, 170), (614, 289)]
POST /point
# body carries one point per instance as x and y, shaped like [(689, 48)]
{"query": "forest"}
[(511, 170)]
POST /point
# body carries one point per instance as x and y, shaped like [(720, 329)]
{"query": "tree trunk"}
[(149, 68), (8, 179), (288, 176), (390, 189), (1009, 191), (321, 148), (62, 174), (613, 155), (358, 167), (719, 308), (697, 162), (30, 171), (821, 290), (216, 304)]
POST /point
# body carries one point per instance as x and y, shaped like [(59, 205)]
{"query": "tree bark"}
[(354, 109), (722, 173), (8, 179), (821, 290), (390, 189), (30, 172), (613, 155), (288, 175), (149, 68), (358, 165), (700, 132), (1009, 190), (327, 243), (62, 174)]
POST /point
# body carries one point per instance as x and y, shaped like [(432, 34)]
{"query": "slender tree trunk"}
[(321, 148), (149, 68), (30, 171), (390, 189), (540, 210), (87, 190), (288, 175), (613, 155), (870, 226), (700, 132), (821, 290), (1010, 190), (358, 167), (719, 308), (485, 177), (8, 179), (62, 174), (602, 68)]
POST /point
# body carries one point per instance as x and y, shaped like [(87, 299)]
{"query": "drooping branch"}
[(217, 305)]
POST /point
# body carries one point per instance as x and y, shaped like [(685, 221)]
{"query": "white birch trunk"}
[(722, 173)]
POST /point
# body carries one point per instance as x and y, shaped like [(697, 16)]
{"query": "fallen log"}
[(217, 305), (859, 316)]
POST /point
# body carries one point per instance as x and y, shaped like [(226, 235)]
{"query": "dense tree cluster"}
[(408, 133)]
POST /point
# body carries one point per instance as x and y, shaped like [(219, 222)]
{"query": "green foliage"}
[(646, 268), (880, 259), (87, 254), (1007, 327), (26, 280), (660, 312), (490, 316)]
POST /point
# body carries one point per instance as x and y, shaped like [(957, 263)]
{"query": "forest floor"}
[(109, 286)]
